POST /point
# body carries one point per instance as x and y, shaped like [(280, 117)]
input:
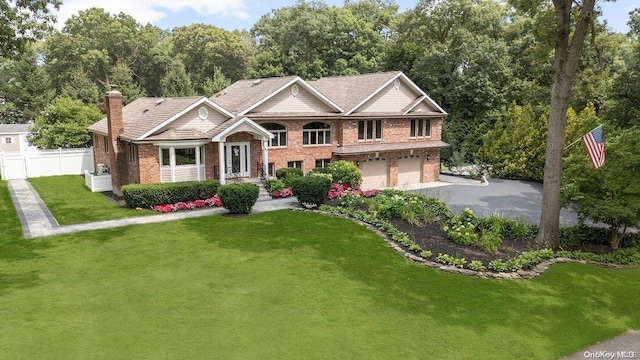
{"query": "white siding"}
[(183, 173), (284, 101), (390, 99), (423, 107), (190, 120)]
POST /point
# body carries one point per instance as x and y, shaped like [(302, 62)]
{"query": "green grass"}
[(284, 285), (71, 202)]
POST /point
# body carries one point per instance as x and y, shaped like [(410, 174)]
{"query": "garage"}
[(375, 173), (409, 170)]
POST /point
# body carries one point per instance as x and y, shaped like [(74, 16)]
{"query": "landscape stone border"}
[(520, 274)]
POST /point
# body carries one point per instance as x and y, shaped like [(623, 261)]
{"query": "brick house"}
[(383, 122)]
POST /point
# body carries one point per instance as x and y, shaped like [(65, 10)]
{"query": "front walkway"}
[(37, 220)]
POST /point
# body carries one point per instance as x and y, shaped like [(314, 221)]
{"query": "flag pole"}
[(580, 138), (570, 145)]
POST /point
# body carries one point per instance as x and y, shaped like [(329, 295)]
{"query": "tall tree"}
[(311, 39), (23, 22), (25, 85), (568, 49), (202, 48), (176, 82), (64, 124), (80, 87), (96, 41)]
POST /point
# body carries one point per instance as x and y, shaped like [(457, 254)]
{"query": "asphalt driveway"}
[(510, 198)]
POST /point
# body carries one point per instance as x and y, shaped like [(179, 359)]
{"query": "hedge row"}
[(147, 196)]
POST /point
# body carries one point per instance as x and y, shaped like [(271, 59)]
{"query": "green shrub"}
[(477, 265), (288, 175), (426, 254), (238, 198), (319, 171), (345, 172), (146, 196), (490, 240), (275, 185), (311, 190)]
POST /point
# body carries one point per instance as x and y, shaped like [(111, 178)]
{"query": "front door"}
[(237, 159)]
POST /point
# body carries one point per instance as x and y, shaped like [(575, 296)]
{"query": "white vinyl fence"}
[(22, 165)]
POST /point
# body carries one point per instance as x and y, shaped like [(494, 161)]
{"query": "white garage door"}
[(409, 170), (374, 174)]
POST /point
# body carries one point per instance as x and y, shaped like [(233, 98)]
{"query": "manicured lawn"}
[(71, 202), (285, 285)]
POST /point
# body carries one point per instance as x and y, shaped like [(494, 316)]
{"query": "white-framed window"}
[(322, 163), (316, 133), (369, 130), (295, 164), (420, 128), (279, 132), (182, 155), (7, 140)]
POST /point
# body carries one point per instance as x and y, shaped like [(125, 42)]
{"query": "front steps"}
[(264, 195)]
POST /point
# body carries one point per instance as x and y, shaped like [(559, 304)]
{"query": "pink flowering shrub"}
[(189, 205), (337, 190), (286, 192)]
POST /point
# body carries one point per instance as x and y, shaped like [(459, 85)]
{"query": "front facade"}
[(383, 122)]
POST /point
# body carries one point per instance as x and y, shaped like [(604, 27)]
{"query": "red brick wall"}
[(148, 164), (100, 156), (295, 151)]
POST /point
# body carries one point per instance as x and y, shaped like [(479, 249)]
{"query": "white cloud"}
[(152, 11)]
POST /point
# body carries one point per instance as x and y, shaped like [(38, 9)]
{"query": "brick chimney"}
[(113, 104)]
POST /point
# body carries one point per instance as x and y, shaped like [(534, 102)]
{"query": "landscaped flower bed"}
[(426, 228), (189, 205)]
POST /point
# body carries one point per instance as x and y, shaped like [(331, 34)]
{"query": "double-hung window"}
[(369, 129), (420, 128)]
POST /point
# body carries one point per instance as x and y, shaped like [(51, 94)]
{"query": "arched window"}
[(279, 132), (316, 133)]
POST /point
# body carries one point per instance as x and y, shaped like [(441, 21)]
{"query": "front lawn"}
[(71, 202), (287, 285)]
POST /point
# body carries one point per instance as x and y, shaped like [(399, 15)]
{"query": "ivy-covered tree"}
[(609, 194), (64, 125)]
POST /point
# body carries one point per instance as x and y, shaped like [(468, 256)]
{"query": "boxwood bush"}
[(288, 175), (311, 190), (147, 196), (238, 198)]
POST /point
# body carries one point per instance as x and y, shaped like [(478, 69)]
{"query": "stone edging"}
[(520, 274)]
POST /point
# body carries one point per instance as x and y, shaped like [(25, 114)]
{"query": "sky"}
[(242, 14)]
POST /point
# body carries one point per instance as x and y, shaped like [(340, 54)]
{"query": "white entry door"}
[(237, 159)]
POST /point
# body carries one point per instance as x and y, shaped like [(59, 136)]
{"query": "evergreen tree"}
[(176, 82)]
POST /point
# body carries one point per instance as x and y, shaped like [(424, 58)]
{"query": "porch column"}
[(221, 162), (198, 162), (265, 158)]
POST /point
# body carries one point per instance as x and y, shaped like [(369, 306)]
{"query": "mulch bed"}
[(431, 237)]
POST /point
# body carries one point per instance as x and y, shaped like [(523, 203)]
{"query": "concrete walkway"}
[(37, 220)]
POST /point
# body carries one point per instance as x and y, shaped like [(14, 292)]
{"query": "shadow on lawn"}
[(567, 299)]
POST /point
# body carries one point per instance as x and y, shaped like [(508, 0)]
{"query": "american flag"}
[(594, 143)]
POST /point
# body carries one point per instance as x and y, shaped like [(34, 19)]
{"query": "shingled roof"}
[(244, 94), (146, 113), (349, 91)]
